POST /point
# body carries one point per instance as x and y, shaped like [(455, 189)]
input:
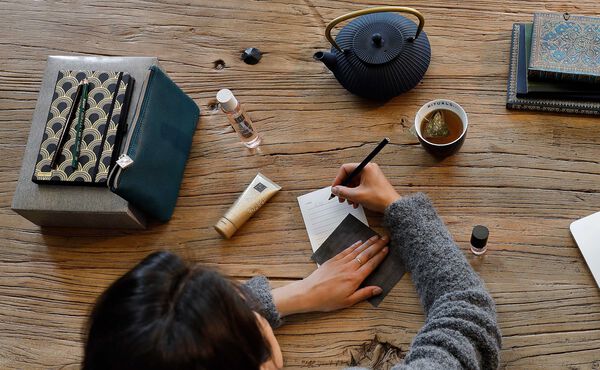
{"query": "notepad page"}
[(321, 215)]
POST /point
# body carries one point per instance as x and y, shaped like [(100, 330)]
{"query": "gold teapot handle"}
[(378, 9)]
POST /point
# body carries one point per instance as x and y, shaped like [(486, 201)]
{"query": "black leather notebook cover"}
[(349, 231)]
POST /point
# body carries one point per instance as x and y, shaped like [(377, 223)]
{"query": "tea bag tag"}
[(437, 126)]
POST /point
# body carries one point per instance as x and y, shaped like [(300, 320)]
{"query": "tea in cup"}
[(441, 126)]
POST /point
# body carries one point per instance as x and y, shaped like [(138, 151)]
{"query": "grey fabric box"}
[(76, 206)]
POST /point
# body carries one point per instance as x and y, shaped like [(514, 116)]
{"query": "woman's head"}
[(166, 314)]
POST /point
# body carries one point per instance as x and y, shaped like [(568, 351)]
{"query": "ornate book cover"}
[(106, 109), (565, 47), (553, 89), (538, 104)]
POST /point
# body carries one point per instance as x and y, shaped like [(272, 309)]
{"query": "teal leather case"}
[(159, 147)]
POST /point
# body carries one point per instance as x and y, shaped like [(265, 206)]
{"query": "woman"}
[(165, 314)]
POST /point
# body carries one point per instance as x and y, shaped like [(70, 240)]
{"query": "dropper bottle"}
[(238, 118)]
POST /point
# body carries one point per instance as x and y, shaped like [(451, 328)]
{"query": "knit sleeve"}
[(460, 331), (260, 289)]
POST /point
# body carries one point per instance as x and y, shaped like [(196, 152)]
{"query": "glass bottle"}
[(479, 239), (241, 123)]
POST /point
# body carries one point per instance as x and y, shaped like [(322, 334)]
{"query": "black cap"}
[(251, 56), (479, 237)]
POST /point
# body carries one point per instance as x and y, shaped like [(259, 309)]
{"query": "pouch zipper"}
[(125, 158)]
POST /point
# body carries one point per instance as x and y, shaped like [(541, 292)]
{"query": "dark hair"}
[(166, 314)]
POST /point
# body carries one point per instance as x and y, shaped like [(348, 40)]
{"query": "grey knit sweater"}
[(460, 331)]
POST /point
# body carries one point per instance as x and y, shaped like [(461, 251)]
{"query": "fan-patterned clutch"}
[(103, 128)]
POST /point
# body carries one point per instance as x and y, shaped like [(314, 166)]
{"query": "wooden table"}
[(524, 175)]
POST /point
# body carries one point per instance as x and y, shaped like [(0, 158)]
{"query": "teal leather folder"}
[(150, 169)]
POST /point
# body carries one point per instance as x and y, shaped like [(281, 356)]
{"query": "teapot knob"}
[(377, 39)]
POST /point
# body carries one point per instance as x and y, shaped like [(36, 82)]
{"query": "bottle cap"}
[(225, 227), (227, 100), (479, 237)]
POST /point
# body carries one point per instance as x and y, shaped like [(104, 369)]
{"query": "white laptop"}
[(586, 233)]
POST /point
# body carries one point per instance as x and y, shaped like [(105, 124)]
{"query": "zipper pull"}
[(124, 161)]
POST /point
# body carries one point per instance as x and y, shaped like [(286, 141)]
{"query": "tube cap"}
[(225, 227), (227, 100), (479, 237)]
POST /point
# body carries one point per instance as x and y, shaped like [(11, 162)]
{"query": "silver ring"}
[(358, 260)]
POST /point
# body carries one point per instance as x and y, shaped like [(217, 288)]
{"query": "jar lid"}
[(479, 236)]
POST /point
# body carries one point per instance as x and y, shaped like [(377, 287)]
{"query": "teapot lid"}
[(376, 42)]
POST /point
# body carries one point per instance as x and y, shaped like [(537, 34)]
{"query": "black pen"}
[(363, 163), (66, 126)]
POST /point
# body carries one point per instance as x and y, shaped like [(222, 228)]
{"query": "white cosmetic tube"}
[(260, 190)]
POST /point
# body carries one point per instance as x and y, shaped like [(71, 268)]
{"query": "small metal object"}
[(251, 56), (358, 260), (479, 238), (566, 16), (124, 161)]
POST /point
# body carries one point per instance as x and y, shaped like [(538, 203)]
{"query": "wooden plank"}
[(525, 175)]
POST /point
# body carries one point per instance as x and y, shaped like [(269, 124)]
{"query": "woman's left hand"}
[(336, 283)]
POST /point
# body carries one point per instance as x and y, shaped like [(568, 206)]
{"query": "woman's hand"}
[(370, 187), (335, 284)]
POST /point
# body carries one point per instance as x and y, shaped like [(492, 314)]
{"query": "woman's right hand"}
[(370, 187)]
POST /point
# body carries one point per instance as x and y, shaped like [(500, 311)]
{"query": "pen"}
[(80, 124), (363, 164), (66, 128)]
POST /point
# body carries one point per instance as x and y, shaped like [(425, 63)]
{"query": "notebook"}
[(103, 126), (539, 104), (565, 47), (586, 233), (321, 215), (551, 89)]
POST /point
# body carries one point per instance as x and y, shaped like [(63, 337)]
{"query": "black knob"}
[(251, 56), (377, 39)]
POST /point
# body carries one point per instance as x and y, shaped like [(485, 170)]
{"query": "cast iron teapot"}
[(378, 56)]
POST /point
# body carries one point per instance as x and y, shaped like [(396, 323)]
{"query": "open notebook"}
[(321, 215)]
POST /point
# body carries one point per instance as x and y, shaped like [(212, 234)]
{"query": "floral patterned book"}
[(565, 47), (556, 105)]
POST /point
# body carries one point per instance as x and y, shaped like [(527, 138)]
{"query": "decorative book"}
[(559, 105), (565, 47), (103, 127), (555, 89)]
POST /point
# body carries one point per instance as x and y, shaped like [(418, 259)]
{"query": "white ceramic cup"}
[(441, 150)]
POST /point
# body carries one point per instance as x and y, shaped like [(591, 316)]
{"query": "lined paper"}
[(321, 215)]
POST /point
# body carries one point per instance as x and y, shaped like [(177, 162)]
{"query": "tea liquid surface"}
[(451, 119)]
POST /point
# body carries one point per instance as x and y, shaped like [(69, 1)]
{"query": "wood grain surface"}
[(526, 176)]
